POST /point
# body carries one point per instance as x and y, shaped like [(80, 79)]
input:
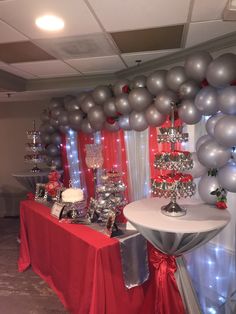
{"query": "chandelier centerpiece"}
[(174, 183)]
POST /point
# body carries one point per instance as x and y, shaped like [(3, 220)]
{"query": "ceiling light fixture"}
[(50, 23)]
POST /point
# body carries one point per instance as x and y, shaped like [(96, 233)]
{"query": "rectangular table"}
[(81, 265)]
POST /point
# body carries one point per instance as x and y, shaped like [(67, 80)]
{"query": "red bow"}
[(168, 298)]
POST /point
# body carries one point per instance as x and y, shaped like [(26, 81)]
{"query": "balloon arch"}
[(202, 87)]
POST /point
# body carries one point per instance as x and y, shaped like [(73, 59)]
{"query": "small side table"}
[(177, 235)]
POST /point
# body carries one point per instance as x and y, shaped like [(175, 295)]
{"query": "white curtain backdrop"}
[(213, 267), (137, 150)]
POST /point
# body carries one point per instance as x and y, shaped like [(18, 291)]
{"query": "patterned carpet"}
[(21, 293)]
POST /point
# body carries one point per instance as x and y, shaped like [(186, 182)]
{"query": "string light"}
[(73, 160)]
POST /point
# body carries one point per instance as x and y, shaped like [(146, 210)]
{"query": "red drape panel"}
[(114, 154), (66, 174), (84, 139)]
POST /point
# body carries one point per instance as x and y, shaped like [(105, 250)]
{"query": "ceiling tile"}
[(208, 10), (86, 46), (131, 58), (21, 15), (47, 68), (97, 65), (9, 34), (137, 14), (13, 70), (23, 51), (202, 31), (168, 37)]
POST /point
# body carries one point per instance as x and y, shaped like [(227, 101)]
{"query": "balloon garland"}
[(202, 87)]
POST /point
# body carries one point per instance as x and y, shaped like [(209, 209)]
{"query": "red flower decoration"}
[(110, 120), (125, 89), (233, 83), (204, 83), (221, 205)]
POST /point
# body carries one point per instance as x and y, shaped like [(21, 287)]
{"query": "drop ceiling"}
[(101, 39)]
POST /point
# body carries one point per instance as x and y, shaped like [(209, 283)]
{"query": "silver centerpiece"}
[(109, 197), (174, 184), (34, 148)]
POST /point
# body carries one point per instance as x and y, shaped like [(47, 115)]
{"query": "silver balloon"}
[(234, 155), (44, 117), (54, 123), (225, 131), (87, 103), (75, 119), (45, 138), (175, 77), (122, 104), (198, 169), (109, 107), (154, 117), (56, 138), (53, 150), (64, 128), (80, 98), (138, 81), (227, 100), (188, 89), (63, 118), (55, 113), (55, 103), (222, 70), (211, 123), (72, 104), (67, 99), (202, 140), (227, 176), (206, 185), (56, 161), (46, 128), (101, 94), (196, 65), (118, 87), (86, 127), (156, 82), (124, 122), (138, 121), (213, 155), (113, 127), (139, 99), (188, 112), (206, 101), (96, 117), (164, 100)]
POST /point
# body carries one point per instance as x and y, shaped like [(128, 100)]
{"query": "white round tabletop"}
[(199, 217)]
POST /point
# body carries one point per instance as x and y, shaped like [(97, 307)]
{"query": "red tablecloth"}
[(82, 265)]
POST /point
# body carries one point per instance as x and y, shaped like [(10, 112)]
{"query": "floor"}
[(21, 293)]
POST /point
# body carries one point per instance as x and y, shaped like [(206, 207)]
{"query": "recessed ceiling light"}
[(50, 23)]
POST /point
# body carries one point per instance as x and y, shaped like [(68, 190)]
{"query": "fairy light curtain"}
[(73, 159), (137, 148), (87, 174), (66, 174)]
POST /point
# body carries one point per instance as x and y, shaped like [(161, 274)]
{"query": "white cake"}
[(72, 195)]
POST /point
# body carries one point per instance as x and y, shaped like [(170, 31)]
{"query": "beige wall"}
[(15, 120)]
